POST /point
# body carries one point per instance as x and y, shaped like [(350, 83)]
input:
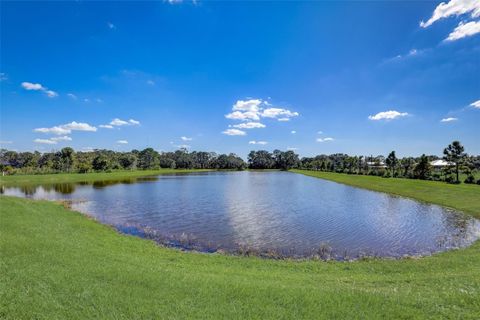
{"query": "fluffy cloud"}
[(254, 109), (252, 105), (186, 139), (5, 142), (118, 122), (251, 111), (3, 76), (249, 125), (475, 104), (448, 119), (122, 141), (79, 126), (38, 87), (238, 115), (293, 132), (62, 138), (32, 86), (388, 115), (258, 142), (278, 113), (234, 132), (67, 128), (71, 95), (53, 130), (324, 139), (106, 126), (464, 30), (453, 8), (45, 141)]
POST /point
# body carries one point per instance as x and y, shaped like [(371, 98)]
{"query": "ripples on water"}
[(267, 213)]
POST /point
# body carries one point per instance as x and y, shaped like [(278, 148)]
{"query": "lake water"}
[(278, 213)]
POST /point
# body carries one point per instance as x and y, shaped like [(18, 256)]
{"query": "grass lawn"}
[(86, 177), (57, 264)]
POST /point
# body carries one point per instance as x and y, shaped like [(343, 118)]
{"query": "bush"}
[(478, 181), (470, 179)]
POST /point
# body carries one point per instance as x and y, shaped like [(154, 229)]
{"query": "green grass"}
[(464, 197), (57, 264), (86, 177)]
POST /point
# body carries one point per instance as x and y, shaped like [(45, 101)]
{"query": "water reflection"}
[(265, 212)]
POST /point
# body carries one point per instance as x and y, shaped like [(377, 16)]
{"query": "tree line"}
[(68, 160)]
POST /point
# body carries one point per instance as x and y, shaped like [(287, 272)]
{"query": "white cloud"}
[(122, 141), (234, 132), (118, 122), (464, 30), (292, 148), (183, 146), (51, 94), (186, 139), (249, 125), (293, 132), (254, 109), (111, 25), (67, 128), (99, 100), (71, 95), (475, 104), (86, 100), (453, 8), (38, 87), (32, 86), (45, 141), (150, 82), (53, 130), (63, 138), (388, 115), (448, 119), (88, 149), (278, 112), (324, 139), (258, 142), (106, 126), (252, 105), (238, 115), (79, 126), (3, 76), (5, 142), (319, 132)]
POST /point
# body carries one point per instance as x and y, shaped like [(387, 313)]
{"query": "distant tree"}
[(407, 164), (455, 153), (261, 159), (148, 159), (391, 162), (128, 160), (423, 169), (101, 162)]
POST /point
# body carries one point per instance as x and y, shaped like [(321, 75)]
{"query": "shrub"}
[(470, 179)]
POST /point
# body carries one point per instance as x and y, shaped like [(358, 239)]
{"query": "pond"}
[(266, 213)]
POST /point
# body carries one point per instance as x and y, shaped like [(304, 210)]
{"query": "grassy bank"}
[(86, 177), (57, 264), (463, 197)]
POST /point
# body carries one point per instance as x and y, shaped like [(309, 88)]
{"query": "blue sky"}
[(318, 77)]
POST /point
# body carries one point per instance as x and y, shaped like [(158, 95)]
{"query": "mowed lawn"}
[(58, 264)]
